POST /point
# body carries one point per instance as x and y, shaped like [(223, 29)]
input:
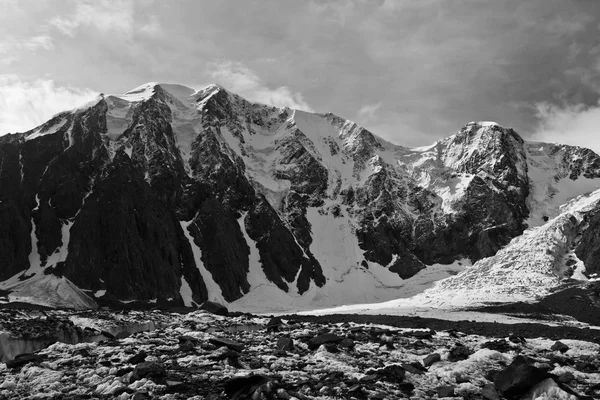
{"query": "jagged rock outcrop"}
[(171, 194)]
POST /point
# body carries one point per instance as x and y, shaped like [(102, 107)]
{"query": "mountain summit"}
[(168, 194)]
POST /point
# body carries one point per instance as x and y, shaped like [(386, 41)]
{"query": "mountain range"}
[(171, 195)]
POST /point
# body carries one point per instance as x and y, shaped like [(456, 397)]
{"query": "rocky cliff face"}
[(170, 194)]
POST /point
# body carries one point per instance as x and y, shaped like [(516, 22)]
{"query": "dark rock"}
[(223, 353), (585, 366), (285, 343), (445, 391), (82, 352), (559, 346), (138, 358), (517, 339), (566, 377), (423, 335), (187, 346), (414, 368), (274, 324), (121, 390), (23, 359), (406, 387), (214, 308), (347, 343), (390, 373), (458, 353), (222, 341), (108, 335), (150, 370), (431, 359), (124, 371), (244, 387), (518, 377), (323, 339), (489, 392), (500, 345)]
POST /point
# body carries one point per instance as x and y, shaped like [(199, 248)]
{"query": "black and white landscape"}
[(296, 206), (168, 197)]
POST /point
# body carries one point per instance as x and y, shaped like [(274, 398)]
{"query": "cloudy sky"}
[(411, 71)]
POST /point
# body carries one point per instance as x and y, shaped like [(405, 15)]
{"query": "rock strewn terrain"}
[(204, 356)]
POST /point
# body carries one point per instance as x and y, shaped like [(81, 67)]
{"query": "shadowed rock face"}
[(249, 183)]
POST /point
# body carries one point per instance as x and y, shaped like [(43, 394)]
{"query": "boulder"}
[(274, 324), (150, 370), (518, 377), (214, 308), (489, 392), (445, 391), (459, 352), (23, 359), (315, 342), (244, 387), (431, 359), (222, 341), (138, 358), (559, 346), (284, 343)]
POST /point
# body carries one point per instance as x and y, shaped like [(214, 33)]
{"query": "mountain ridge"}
[(170, 194)]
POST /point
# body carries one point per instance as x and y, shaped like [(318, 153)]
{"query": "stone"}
[(489, 392), (445, 391), (223, 341), (23, 359), (121, 390), (500, 345), (138, 358), (559, 346), (432, 359), (323, 339), (390, 373), (274, 324), (285, 343), (223, 353), (214, 308), (458, 353), (517, 339), (244, 387), (566, 377), (414, 368), (150, 370), (347, 344), (518, 377)]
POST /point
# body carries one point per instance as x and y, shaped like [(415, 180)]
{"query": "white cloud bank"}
[(108, 16), (25, 105), (575, 125), (241, 80)]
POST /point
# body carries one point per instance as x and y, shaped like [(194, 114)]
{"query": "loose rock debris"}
[(206, 356)]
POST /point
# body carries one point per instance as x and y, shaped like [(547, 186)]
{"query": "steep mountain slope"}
[(171, 194)]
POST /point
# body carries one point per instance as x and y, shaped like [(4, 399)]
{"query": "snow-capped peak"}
[(484, 123)]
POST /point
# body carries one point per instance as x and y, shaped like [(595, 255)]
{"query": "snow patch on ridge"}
[(336, 247), (47, 130), (550, 185), (214, 290), (186, 293)]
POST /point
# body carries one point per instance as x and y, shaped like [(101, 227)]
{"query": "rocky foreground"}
[(200, 355)]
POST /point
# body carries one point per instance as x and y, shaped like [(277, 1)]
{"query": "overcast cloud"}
[(410, 71)]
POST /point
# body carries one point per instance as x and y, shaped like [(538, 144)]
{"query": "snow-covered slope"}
[(167, 193)]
